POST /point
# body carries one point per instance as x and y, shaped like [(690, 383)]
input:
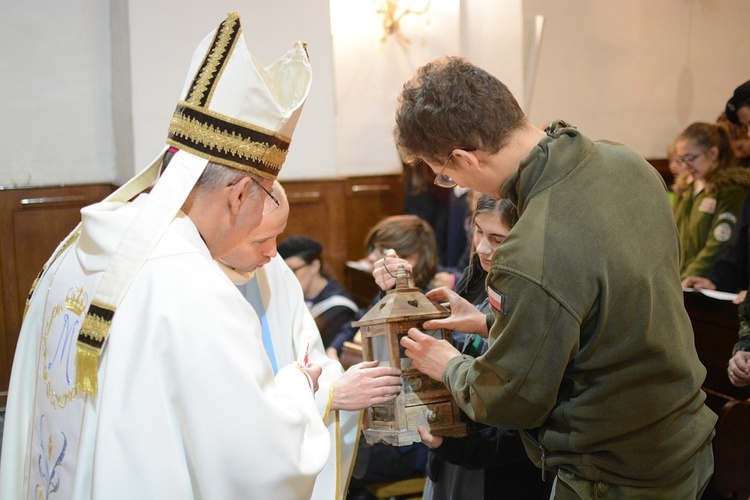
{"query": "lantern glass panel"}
[(380, 349)]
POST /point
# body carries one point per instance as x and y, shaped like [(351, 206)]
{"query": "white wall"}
[(371, 67), (638, 72), (492, 37), (164, 34), (56, 113), (80, 73)]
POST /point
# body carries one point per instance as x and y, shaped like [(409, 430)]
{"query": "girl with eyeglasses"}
[(708, 196)]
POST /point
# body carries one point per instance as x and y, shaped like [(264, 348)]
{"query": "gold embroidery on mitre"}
[(204, 81), (221, 141), (227, 43)]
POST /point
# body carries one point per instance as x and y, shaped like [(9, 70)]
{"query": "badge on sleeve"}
[(707, 206), (497, 299), (722, 232), (728, 216)]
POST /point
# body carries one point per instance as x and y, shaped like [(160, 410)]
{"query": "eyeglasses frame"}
[(444, 181), (687, 159)]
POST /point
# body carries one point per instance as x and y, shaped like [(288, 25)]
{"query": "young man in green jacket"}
[(591, 351)]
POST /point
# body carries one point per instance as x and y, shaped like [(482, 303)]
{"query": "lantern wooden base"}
[(423, 402)]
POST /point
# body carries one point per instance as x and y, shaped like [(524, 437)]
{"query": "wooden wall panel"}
[(662, 166), (316, 210), (339, 213), (6, 354), (368, 200), (715, 326), (30, 249)]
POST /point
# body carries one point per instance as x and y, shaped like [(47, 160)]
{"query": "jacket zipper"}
[(542, 452)]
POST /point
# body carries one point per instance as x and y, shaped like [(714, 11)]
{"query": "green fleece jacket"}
[(590, 349), (706, 221)]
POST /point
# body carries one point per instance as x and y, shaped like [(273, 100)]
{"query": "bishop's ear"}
[(239, 193)]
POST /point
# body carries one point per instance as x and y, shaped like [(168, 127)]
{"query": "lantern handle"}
[(392, 254), (388, 253)]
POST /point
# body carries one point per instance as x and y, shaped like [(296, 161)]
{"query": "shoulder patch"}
[(498, 300), (728, 216), (707, 206), (722, 232)]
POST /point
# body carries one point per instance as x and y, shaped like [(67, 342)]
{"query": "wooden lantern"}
[(423, 400)]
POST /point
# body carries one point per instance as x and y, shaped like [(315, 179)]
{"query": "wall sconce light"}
[(393, 11)]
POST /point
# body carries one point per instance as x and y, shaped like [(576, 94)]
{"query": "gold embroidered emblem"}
[(76, 301), (57, 351)]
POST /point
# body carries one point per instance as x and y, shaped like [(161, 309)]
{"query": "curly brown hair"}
[(450, 103)]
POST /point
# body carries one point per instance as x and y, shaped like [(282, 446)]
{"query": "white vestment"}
[(187, 406), (292, 327)]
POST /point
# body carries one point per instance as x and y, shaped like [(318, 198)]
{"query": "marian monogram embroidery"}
[(59, 408), (58, 347)]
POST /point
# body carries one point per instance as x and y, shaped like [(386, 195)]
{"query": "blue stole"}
[(253, 295)]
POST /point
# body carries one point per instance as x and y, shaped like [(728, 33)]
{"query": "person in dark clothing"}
[(738, 106), (330, 304), (738, 368), (489, 462), (427, 201), (738, 138), (731, 272)]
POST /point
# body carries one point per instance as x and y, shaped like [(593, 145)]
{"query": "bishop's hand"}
[(366, 384)]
